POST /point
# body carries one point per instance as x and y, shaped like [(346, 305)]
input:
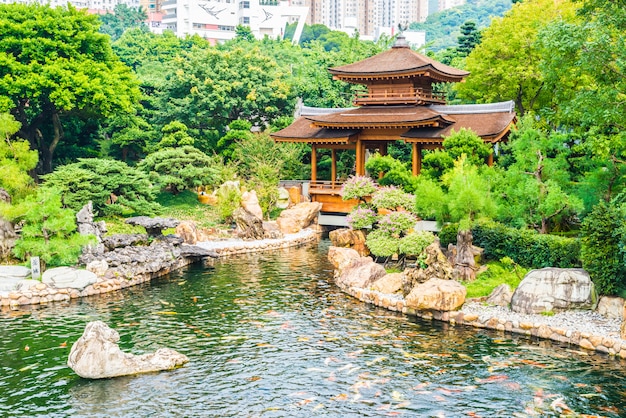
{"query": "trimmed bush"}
[(380, 244), (416, 242), (361, 217)]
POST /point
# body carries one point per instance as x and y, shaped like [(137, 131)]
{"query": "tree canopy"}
[(55, 66)]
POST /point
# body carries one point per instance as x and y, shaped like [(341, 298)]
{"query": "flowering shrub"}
[(396, 224), (380, 244), (361, 218), (390, 197), (357, 187), (416, 242)]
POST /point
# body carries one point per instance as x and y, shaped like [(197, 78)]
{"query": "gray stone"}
[(501, 295), (249, 226), (68, 277), (25, 285), (390, 283), (438, 295), (154, 226), (19, 272), (194, 251), (97, 355), (553, 289), (8, 284), (98, 267), (124, 240), (611, 307)]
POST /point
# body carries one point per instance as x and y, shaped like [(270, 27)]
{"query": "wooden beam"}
[(333, 167), (313, 162), (360, 158), (490, 158), (416, 163)]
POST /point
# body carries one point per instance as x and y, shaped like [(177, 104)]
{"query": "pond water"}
[(270, 335)]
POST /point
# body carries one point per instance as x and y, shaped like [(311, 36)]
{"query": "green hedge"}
[(527, 248)]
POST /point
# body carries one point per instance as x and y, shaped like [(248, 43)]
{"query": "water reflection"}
[(269, 335)]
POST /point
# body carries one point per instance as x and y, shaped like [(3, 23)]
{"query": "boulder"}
[(360, 273), (501, 295), (7, 238), (250, 202), (438, 295), (26, 285), (14, 272), (298, 217), (86, 225), (248, 225), (341, 257), (553, 289), (194, 251), (437, 266), (611, 307), (98, 267), (154, 226), (188, 231), (390, 283), (272, 230), (349, 238), (97, 355), (64, 277)]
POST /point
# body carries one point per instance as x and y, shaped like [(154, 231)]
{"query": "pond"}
[(270, 335)]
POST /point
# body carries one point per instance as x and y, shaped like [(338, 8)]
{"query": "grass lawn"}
[(497, 273)]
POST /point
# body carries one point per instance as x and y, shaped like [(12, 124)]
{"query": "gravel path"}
[(583, 321)]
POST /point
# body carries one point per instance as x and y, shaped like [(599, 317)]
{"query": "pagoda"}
[(398, 103)]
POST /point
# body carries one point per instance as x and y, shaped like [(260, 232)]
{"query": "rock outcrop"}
[(611, 307), (554, 289), (298, 217), (154, 226), (97, 355), (250, 202), (437, 295), (349, 238), (11, 276), (437, 266), (248, 225), (390, 283), (501, 295), (464, 264), (352, 270)]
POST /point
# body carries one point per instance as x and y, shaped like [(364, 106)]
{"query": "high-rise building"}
[(448, 4)]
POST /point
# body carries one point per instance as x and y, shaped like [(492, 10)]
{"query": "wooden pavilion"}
[(398, 104)]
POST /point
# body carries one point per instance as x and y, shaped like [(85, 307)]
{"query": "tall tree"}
[(54, 65), (469, 38), (505, 65), (123, 18)]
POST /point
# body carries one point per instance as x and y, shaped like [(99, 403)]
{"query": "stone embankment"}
[(583, 328), (133, 272)]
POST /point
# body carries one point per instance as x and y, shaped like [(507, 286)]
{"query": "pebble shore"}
[(42, 294), (586, 329)]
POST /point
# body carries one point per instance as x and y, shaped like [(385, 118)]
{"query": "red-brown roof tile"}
[(380, 116)]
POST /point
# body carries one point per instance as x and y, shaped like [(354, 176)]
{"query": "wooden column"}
[(360, 158), (383, 148), (416, 164), (333, 167), (490, 158), (313, 162)]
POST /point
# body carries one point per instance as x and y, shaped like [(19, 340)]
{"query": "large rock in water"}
[(390, 283), (349, 238), (437, 295), (553, 289), (250, 202), (64, 277), (352, 270), (97, 355), (299, 217)]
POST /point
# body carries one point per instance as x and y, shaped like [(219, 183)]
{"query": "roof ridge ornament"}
[(400, 38)]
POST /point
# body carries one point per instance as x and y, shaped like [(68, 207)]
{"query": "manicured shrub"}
[(380, 244), (415, 243), (396, 224), (358, 187), (361, 217), (114, 187), (391, 197), (601, 237)]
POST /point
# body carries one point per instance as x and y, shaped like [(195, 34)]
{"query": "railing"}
[(398, 95), (325, 187)]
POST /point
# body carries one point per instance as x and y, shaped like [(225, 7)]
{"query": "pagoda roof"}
[(398, 61), (380, 117), (423, 124)]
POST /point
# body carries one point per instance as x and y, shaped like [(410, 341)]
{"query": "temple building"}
[(399, 103)]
